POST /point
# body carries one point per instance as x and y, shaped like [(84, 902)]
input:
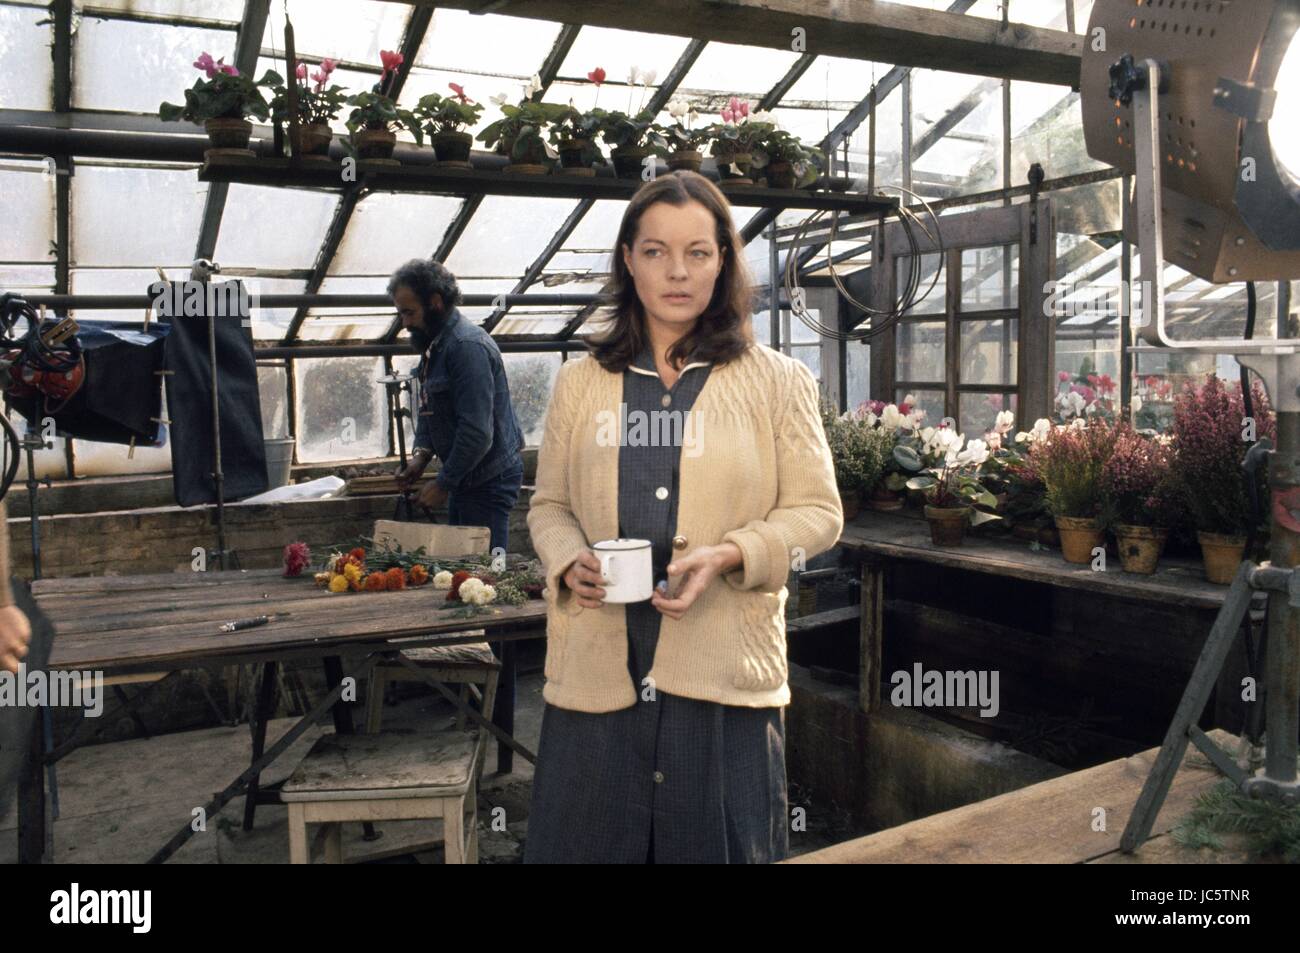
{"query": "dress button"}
[(666, 399), (659, 777), (679, 542), (661, 493)]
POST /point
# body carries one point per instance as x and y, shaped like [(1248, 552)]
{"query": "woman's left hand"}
[(698, 569)]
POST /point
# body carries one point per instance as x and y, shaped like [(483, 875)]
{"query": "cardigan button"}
[(661, 493), (659, 777), (679, 542)]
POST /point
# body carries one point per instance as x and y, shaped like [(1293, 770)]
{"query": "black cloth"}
[(189, 405), (17, 722), (670, 779)]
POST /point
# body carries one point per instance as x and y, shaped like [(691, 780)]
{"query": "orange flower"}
[(376, 582), (457, 578), (357, 555), (419, 575), (395, 578)]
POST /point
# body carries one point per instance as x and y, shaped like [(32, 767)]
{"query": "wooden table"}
[(879, 538), (169, 622)]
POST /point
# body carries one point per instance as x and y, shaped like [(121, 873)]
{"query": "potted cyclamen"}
[(632, 140), (735, 138), (310, 137), (952, 487), (375, 113), (1070, 464), (683, 142), (222, 103), (1210, 427), (789, 164), (574, 137), (443, 118), (518, 133), (1134, 481)]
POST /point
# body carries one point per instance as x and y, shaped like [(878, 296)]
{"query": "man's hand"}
[(15, 634), (432, 496), (697, 570), (414, 470), (585, 581)]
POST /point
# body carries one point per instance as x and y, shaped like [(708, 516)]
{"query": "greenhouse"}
[(536, 431)]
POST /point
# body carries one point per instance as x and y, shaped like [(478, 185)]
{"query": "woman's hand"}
[(585, 581), (15, 634), (698, 569)]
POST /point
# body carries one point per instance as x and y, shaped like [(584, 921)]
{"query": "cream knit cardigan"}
[(762, 479)]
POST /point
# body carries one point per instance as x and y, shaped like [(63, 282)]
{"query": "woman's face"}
[(674, 261)]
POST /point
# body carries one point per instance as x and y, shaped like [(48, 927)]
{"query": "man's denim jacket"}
[(463, 411)]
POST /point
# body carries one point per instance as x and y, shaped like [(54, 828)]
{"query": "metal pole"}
[(774, 301)]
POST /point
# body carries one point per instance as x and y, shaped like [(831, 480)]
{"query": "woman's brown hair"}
[(722, 332)]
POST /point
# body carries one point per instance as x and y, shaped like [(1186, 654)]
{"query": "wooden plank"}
[(884, 32), (871, 635), (1177, 582), (817, 620), (436, 180), (1049, 822)]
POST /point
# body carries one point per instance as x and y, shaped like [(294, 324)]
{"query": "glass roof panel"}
[(271, 323), (124, 65), (135, 216), (328, 326), (836, 79), (743, 70), (617, 51), (387, 229), (353, 30), (231, 11), (26, 82), (118, 281), (505, 235), (27, 278), (810, 125), (28, 191), (457, 40), (265, 227)]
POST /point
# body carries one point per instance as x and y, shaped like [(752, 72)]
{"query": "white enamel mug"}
[(626, 567)]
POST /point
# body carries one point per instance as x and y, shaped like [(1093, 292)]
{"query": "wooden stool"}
[(387, 778), (465, 665)]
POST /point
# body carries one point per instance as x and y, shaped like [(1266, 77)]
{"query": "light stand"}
[(203, 270), (1277, 362)]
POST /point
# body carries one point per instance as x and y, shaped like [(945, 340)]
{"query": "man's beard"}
[(421, 338)]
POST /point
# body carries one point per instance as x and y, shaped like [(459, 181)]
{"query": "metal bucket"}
[(279, 461)]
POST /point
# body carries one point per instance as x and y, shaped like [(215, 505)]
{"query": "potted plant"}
[(1070, 463), (222, 103), (789, 163), (1134, 481), (735, 138), (682, 142), (632, 139), (375, 114), (444, 119), (316, 106), (518, 133), (1209, 451), (952, 487), (857, 454), (574, 136)]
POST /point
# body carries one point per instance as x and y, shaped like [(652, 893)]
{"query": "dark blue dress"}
[(671, 779)]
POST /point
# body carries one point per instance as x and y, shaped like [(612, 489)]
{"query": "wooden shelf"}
[(431, 179)]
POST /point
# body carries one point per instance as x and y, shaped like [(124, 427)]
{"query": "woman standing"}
[(663, 736)]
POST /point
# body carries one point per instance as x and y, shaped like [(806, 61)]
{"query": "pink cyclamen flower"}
[(301, 71), (390, 59), (1063, 376), (459, 91), (226, 68), (328, 65), (205, 63), (727, 115)]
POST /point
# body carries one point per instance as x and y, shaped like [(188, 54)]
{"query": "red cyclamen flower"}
[(597, 76), (391, 60)]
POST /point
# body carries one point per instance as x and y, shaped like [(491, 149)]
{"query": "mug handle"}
[(604, 567)]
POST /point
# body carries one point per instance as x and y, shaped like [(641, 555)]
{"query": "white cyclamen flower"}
[(1004, 422), (678, 108)]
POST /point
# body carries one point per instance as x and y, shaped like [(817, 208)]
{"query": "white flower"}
[(1004, 422), (947, 440), (764, 115), (910, 400), (1078, 423), (498, 100), (469, 588), (489, 594), (869, 418), (533, 86), (890, 418), (1070, 404), (927, 435), (633, 75), (442, 580), (648, 77), (1137, 403), (678, 108), (1042, 428), (975, 454)]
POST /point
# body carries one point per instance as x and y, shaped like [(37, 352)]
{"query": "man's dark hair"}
[(426, 278)]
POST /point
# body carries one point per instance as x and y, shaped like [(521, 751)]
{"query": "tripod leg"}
[(1226, 625)]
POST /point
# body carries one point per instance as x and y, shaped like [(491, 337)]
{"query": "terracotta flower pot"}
[(375, 144), (528, 168), (685, 159), (851, 504), (312, 141), (1079, 537), (1140, 546), (228, 132), (780, 175), (885, 499), (947, 524), (743, 161), (452, 147), (575, 157), (628, 160), (1221, 555)]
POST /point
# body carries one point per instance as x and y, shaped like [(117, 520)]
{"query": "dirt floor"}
[(119, 802)]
